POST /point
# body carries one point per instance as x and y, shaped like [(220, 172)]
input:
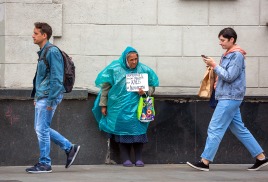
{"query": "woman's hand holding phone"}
[(209, 61)]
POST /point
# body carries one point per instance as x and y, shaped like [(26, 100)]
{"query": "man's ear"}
[(232, 39), (44, 35)]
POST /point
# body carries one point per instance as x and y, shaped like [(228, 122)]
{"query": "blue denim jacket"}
[(231, 77), (49, 82)]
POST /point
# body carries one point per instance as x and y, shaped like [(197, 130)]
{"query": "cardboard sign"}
[(135, 81)]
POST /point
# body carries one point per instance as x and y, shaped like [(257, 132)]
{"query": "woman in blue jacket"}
[(230, 91)]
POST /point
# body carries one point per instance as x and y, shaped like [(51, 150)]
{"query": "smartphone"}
[(204, 56)]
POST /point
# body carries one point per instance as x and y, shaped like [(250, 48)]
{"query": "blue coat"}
[(231, 82), (49, 82)]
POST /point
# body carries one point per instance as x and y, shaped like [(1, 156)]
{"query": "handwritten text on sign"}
[(135, 81)]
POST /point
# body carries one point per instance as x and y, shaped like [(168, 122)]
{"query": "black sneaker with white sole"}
[(72, 155), (39, 168), (199, 166), (259, 164)]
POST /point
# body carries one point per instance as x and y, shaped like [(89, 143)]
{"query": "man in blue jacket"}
[(48, 92)]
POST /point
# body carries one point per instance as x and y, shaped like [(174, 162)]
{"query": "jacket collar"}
[(41, 50)]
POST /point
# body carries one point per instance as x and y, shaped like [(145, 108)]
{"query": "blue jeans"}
[(42, 122), (227, 115)]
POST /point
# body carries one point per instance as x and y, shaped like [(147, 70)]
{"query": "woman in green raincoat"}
[(115, 108)]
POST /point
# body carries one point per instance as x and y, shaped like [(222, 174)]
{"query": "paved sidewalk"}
[(151, 172)]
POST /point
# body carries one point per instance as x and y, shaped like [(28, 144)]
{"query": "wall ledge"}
[(186, 97), (83, 94), (25, 94)]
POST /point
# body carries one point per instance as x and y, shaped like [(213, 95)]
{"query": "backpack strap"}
[(45, 55)]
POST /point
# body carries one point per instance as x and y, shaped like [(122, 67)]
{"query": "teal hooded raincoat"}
[(121, 118)]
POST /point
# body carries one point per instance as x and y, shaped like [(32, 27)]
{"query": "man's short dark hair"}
[(228, 33), (44, 28)]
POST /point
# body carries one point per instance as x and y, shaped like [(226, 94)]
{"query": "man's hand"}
[(104, 110)]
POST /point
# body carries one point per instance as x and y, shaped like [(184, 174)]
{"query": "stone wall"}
[(170, 36)]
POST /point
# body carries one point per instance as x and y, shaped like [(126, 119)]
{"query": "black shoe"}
[(39, 168), (72, 155), (199, 165), (258, 164)]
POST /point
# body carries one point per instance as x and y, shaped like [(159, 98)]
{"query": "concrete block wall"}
[(170, 36), (18, 53), (2, 43)]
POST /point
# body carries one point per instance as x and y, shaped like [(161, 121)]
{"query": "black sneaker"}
[(199, 165), (72, 155), (39, 168), (258, 164)]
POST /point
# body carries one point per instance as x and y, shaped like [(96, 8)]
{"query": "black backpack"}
[(69, 69)]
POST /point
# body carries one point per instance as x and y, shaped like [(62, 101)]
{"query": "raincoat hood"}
[(123, 58)]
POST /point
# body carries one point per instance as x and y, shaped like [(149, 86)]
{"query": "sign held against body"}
[(135, 81)]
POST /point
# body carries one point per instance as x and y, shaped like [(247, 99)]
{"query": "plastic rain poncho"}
[(121, 118)]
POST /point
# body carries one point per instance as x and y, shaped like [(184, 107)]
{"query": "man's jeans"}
[(42, 122), (227, 115)]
